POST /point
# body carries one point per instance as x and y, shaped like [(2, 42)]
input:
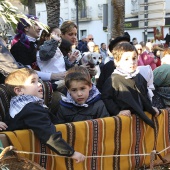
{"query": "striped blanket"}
[(108, 143)]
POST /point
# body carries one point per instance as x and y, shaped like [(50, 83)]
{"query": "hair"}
[(17, 79), (101, 44), (77, 73), (96, 49), (121, 48), (67, 26), (46, 34), (166, 51), (65, 47)]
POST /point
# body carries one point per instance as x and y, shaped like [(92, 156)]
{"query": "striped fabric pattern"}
[(101, 137)]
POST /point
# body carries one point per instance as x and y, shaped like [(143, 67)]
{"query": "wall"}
[(41, 12), (95, 25)]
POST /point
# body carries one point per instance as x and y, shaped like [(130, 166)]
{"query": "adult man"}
[(84, 47), (81, 42), (103, 51)]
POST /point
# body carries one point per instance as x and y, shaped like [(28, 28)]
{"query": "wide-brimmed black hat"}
[(114, 42)]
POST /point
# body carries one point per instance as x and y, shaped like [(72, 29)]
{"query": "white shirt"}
[(53, 65)]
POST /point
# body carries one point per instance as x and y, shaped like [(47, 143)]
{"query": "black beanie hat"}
[(114, 42)]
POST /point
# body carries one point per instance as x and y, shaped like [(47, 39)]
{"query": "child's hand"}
[(78, 157), (157, 111), (3, 126), (55, 37), (125, 113)]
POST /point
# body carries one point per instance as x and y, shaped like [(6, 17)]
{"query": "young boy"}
[(83, 100), (27, 111), (125, 92)]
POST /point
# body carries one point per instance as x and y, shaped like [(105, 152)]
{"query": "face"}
[(32, 87), (57, 32), (104, 46), (128, 61), (90, 38), (33, 31), (71, 35), (139, 49), (79, 91)]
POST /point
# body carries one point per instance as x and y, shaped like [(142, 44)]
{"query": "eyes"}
[(71, 34), (33, 81), (133, 58), (75, 90)]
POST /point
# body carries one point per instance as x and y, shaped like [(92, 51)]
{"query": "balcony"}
[(134, 7), (84, 14)]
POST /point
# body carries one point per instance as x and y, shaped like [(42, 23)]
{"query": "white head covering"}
[(147, 73)]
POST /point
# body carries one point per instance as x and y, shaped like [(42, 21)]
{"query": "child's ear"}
[(18, 91)]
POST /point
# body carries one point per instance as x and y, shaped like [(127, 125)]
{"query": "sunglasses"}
[(91, 39), (139, 49)]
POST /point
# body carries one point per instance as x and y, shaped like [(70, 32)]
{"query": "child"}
[(50, 59), (83, 99), (27, 111), (125, 92)]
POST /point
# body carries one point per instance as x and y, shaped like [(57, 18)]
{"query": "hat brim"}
[(117, 40)]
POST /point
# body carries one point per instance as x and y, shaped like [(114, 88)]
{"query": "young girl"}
[(83, 100), (125, 92)]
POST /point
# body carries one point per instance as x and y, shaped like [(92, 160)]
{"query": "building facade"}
[(140, 17)]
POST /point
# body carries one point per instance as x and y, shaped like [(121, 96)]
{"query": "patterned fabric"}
[(18, 102), (108, 136)]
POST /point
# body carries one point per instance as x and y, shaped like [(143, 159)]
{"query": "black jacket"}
[(127, 94), (35, 117), (24, 55), (71, 113), (106, 71)]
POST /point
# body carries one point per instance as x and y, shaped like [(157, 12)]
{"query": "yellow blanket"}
[(100, 140)]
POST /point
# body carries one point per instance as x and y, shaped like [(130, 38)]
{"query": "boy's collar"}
[(17, 103), (92, 94)]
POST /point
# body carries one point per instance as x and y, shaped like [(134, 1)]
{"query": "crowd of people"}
[(134, 78)]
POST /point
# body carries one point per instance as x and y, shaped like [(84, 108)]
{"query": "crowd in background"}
[(89, 80)]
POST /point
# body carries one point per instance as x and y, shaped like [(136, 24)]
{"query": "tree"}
[(10, 15), (53, 9), (53, 12), (118, 17), (31, 5)]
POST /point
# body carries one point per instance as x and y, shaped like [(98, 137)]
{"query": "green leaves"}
[(10, 14)]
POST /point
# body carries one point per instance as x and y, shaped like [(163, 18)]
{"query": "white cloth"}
[(125, 74), (18, 102), (53, 65), (147, 73)]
